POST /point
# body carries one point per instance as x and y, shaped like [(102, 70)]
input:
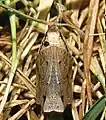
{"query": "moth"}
[(53, 72)]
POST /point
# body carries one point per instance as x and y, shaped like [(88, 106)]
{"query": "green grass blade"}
[(96, 109)]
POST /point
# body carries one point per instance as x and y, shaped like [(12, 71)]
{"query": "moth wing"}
[(53, 102), (41, 71), (65, 67)]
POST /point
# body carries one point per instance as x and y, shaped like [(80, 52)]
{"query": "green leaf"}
[(96, 109)]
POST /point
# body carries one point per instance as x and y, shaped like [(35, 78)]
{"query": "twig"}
[(34, 19), (22, 15)]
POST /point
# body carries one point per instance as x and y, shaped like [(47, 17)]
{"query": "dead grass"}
[(82, 24)]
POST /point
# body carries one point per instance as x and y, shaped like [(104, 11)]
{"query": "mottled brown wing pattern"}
[(41, 72), (62, 60), (65, 67)]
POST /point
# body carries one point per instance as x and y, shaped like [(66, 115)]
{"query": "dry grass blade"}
[(22, 111), (15, 102), (88, 44), (26, 81), (76, 28), (96, 69)]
